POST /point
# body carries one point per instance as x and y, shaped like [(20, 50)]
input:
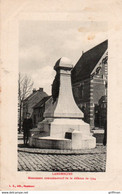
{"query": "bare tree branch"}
[(25, 85)]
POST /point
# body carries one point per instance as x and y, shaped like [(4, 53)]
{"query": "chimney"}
[(41, 89), (34, 90)]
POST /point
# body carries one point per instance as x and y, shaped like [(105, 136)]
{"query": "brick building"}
[(32, 100), (89, 83)]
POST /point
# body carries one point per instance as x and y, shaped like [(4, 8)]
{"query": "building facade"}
[(89, 84), (38, 111), (32, 100)]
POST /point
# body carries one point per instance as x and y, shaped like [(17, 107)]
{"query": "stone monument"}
[(64, 129)]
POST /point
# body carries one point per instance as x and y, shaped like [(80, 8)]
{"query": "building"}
[(32, 100), (89, 83), (38, 110)]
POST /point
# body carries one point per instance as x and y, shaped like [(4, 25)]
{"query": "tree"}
[(25, 85)]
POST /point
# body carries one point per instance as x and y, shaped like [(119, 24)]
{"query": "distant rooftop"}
[(41, 102), (34, 93)]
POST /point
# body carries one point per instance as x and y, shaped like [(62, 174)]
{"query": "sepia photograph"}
[(62, 96)]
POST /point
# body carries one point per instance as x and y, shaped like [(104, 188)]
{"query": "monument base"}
[(59, 127), (62, 143), (50, 143), (64, 134)]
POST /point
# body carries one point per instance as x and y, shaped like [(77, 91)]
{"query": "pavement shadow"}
[(23, 146)]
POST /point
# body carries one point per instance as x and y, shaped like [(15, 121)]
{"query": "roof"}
[(88, 61), (31, 96), (41, 102)]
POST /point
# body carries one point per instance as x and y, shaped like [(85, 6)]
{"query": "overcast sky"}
[(42, 43)]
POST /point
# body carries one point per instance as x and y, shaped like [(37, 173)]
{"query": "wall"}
[(87, 94), (37, 115)]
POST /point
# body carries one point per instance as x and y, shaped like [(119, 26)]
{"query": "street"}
[(35, 159)]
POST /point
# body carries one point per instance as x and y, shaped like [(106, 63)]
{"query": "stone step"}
[(50, 143), (62, 143)]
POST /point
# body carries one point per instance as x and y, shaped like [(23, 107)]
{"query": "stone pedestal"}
[(66, 106), (66, 118)]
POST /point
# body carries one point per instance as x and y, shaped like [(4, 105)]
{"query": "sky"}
[(42, 43)]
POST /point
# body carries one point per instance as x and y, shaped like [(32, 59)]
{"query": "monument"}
[(64, 128)]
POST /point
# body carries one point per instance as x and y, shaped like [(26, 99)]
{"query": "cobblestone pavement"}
[(35, 159)]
